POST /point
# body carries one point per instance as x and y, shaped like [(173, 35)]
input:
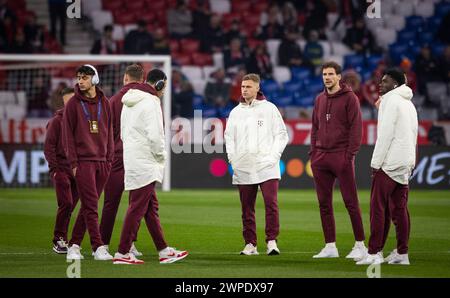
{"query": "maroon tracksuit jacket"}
[(60, 173), (335, 140), (92, 155)]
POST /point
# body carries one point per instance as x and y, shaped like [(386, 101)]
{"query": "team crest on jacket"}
[(260, 123)]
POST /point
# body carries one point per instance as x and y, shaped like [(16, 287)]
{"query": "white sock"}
[(331, 245), (164, 250), (359, 243)]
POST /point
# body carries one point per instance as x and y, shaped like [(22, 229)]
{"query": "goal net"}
[(29, 82)]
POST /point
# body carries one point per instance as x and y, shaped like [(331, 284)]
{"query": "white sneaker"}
[(127, 259), (249, 250), (73, 253), (272, 248), (102, 254), (399, 259), (107, 249), (327, 252), (170, 255), (359, 251), (392, 255), (134, 251), (374, 259)]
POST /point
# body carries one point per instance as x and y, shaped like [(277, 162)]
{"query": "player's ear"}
[(339, 77)]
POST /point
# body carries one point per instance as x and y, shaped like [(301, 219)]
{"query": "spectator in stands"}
[(289, 51), (139, 41), (353, 79), (316, 18), (444, 65), (58, 14), (182, 94), (273, 29), (213, 39), (235, 89), (426, 67), (34, 34), (201, 18), (235, 32), (442, 33), (370, 89), (411, 77), (259, 62), (160, 43), (38, 95), (349, 11), (313, 50), (20, 44), (235, 55), (360, 39), (180, 20), (217, 90), (7, 26), (105, 44), (290, 16)]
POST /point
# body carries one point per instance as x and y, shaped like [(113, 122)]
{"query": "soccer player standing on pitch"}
[(144, 155), (134, 75), (255, 138), (335, 139), (60, 173), (89, 146), (393, 161)]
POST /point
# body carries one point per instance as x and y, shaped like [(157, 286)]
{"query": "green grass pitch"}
[(207, 223)]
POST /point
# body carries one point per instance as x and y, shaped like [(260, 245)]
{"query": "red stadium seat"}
[(239, 6), (189, 45), (112, 5), (252, 43), (252, 20), (124, 18), (136, 6), (182, 59), (157, 6), (260, 6), (174, 46), (202, 59)]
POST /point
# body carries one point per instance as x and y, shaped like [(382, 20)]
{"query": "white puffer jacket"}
[(395, 148), (255, 137), (142, 133)]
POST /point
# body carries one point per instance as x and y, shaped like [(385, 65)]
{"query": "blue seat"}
[(282, 100), (437, 49), (414, 22), (302, 99), (404, 36), (300, 73), (292, 86), (373, 61), (426, 37), (209, 111), (225, 111), (433, 22), (365, 73), (353, 61), (269, 86), (314, 86), (442, 8), (397, 51)]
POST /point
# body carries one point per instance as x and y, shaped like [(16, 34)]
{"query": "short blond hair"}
[(252, 77)]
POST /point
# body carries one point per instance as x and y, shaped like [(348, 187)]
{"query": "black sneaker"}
[(60, 247)]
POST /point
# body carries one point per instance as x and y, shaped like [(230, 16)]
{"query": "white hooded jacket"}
[(395, 148), (142, 133), (255, 137)]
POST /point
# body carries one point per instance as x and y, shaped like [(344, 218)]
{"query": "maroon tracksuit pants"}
[(91, 178), (247, 194), (143, 204), (326, 167), (388, 200), (67, 197)]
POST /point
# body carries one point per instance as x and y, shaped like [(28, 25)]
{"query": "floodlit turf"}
[(208, 224)]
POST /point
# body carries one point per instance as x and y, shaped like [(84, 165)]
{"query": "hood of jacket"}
[(137, 93), (344, 89), (403, 92)]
